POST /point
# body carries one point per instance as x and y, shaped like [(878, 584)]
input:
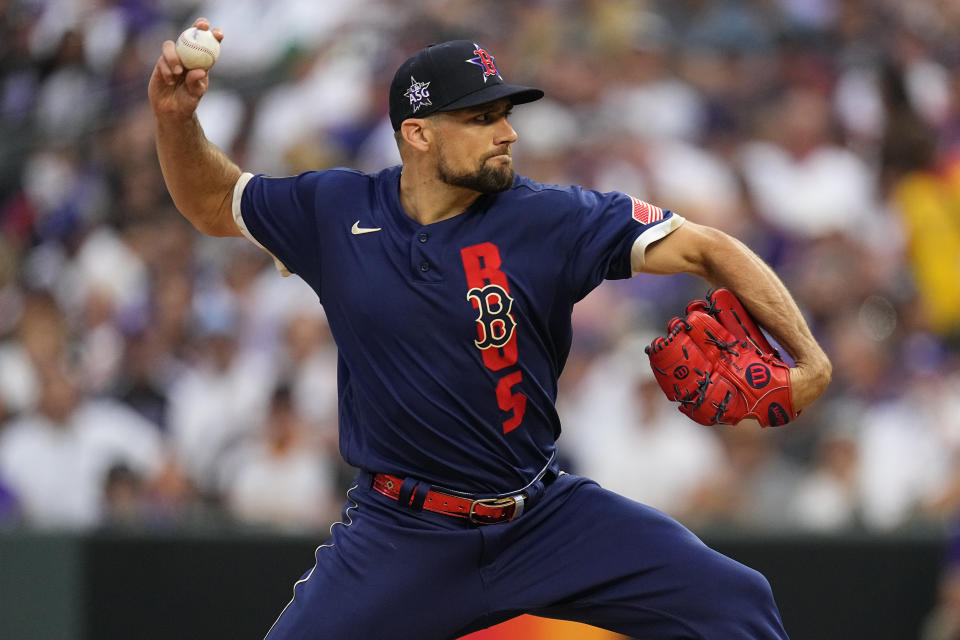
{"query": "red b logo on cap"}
[(486, 61)]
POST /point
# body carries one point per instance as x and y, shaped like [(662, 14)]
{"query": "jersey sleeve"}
[(607, 227), (279, 215)]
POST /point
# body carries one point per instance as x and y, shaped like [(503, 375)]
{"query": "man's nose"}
[(506, 133)]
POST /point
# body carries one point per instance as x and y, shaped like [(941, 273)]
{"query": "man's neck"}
[(426, 199)]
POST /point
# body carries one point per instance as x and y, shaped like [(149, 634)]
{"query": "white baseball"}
[(197, 48)]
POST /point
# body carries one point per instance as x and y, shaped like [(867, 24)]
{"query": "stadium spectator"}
[(626, 438), (219, 399), (828, 497), (281, 476), (57, 457), (754, 487)]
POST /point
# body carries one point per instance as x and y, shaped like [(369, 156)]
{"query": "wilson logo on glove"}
[(758, 375), (738, 374), (777, 415)]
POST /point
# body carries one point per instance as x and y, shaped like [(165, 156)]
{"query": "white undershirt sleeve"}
[(651, 235)]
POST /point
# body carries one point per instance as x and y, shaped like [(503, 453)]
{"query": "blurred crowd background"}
[(153, 378)]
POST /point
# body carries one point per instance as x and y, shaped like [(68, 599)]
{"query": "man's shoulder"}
[(525, 185), (348, 173), (338, 176), (558, 195)]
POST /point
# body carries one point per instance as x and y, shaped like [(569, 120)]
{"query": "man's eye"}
[(483, 117)]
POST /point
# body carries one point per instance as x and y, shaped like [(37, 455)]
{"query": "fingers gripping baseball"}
[(719, 367), (174, 88)]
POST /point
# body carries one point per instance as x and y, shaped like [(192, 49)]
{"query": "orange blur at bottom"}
[(532, 628)]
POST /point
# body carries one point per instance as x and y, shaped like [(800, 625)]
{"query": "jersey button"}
[(423, 237), (424, 266)]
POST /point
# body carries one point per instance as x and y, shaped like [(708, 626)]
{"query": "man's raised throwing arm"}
[(724, 261), (198, 175)]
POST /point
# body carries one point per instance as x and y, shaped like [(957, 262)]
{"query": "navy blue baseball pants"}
[(582, 553)]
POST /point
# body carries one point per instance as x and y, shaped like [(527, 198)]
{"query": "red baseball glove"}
[(720, 367)]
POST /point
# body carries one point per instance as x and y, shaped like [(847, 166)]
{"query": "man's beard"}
[(485, 179)]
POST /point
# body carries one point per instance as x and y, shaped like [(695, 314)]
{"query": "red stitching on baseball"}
[(198, 47)]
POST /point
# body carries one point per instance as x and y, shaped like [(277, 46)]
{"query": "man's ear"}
[(416, 133)]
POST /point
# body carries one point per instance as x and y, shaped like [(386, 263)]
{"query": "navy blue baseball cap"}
[(447, 76)]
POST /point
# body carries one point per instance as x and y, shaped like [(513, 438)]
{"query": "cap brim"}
[(517, 94)]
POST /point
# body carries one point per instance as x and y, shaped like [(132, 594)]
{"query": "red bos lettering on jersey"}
[(489, 292)]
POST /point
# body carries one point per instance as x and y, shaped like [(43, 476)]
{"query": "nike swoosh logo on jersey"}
[(356, 229)]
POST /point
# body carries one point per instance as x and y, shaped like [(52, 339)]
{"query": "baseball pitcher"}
[(449, 283)]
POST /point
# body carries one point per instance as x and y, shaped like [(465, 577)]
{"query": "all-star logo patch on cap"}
[(448, 76)]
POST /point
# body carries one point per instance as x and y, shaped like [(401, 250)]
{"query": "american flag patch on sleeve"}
[(646, 213)]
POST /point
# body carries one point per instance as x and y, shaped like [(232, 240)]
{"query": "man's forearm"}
[(737, 268), (732, 265), (198, 175)]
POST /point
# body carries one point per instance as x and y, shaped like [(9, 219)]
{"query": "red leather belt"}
[(482, 511)]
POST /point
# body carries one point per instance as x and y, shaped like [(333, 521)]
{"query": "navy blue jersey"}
[(451, 335)]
